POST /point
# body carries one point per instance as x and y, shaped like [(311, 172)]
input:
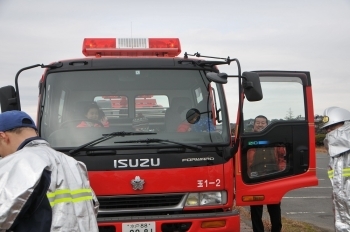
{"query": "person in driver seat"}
[(94, 117)]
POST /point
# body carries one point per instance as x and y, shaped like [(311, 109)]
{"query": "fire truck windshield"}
[(178, 105)]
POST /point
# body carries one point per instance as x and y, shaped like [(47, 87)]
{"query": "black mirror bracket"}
[(54, 65)]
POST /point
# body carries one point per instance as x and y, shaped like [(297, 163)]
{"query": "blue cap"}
[(15, 119)]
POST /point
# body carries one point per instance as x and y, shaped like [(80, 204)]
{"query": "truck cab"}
[(181, 170)]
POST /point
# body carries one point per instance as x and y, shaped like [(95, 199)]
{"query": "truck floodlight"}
[(160, 47)]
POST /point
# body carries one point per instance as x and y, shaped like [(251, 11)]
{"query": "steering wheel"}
[(76, 122)]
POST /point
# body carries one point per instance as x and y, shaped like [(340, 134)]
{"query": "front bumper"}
[(178, 223)]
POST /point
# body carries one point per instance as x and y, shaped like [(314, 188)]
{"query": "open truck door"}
[(288, 139)]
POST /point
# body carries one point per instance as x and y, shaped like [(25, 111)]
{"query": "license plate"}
[(139, 227)]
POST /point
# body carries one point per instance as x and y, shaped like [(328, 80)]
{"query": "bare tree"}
[(289, 114)]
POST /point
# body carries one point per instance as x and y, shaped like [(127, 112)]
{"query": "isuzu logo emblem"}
[(137, 183)]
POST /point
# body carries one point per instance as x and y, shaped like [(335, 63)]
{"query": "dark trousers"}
[(256, 212)]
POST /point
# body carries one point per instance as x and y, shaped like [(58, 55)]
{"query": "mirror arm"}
[(55, 65), (238, 64), (16, 82), (235, 146)]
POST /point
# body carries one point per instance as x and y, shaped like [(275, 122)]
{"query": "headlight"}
[(192, 199), (206, 198)]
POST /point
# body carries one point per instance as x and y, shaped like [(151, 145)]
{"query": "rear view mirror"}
[(8, 98), (220, 78), (252, 87)]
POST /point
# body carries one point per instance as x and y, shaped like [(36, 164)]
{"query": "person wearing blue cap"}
[(40, 189)]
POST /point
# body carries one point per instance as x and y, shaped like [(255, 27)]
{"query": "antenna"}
[(132, 44)]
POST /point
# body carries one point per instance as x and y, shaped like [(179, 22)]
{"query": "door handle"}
[(303, 152)]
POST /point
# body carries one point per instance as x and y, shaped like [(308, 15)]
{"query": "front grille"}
[(140, 213), (132, 202)]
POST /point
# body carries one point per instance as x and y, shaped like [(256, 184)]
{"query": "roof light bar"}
[(131, 47)]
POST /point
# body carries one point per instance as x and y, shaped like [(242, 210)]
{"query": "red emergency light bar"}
[(131, 47)]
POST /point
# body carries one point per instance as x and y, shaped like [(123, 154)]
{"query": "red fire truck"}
[(163, 178)]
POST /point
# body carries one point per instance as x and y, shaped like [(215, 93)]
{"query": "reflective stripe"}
[(66, 195), (346, 172), (330, 174)]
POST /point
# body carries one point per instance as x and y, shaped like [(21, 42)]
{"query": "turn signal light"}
[(214, 224), (253, 198)]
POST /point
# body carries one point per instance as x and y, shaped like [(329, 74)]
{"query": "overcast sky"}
[(293, 35)]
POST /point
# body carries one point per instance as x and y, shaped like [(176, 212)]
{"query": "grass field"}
[(321, 149)]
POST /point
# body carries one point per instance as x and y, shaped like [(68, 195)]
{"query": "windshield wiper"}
[(193, 147), (106, 137)]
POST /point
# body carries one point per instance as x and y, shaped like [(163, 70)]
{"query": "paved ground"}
[(245, 227)]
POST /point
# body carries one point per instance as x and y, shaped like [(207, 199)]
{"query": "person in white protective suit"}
[(337, 141), (40, 189)]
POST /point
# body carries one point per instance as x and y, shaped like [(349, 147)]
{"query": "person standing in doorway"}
[(262, 162)]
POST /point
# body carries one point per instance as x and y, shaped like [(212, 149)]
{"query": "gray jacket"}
[(73, 202), (338, 144)]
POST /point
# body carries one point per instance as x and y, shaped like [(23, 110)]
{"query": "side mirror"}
[(8, 98), (220, 78), (193, 115), (252, 87)]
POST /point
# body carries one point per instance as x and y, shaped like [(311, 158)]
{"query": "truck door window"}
[(281, 101), (265, 161), (270, 154)]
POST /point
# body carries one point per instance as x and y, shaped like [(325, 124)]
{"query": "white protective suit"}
[(338, 144), (74, 204)]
